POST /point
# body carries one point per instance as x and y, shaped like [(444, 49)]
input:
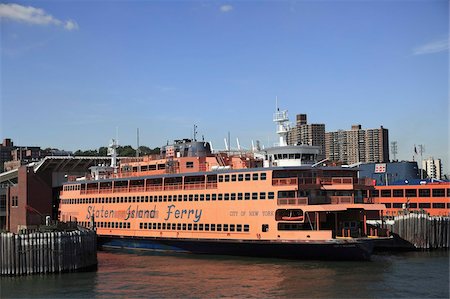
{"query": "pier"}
[(47, 252), (418, 231)]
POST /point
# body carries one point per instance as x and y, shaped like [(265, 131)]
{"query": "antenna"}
[(137, 149), (195, 132), (421, 151), (394, 149), (226, 143)]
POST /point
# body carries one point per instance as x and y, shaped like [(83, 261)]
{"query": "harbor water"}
[(163, 275)]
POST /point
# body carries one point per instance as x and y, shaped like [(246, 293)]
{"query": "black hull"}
[(333, 250)]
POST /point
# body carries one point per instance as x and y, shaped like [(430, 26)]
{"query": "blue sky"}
[(73, 72)]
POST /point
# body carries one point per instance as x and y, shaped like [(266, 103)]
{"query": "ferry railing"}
[(118, 189), (212, 185), (292, 201), (194, 186), (284, 181), (154, 188), (341, 199), (137, 188), (173, 186), (105, 190)]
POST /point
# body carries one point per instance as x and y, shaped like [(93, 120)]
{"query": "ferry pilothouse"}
[(277, 202)]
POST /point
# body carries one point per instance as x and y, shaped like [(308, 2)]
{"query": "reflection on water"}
[(418, 275)]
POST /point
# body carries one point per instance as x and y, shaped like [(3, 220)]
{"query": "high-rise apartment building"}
[(309, 134), (433, 168), (357, 145)]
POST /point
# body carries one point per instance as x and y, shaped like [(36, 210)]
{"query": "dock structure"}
[(47, 252), (421, 231)]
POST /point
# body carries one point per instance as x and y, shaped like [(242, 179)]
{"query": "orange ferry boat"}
[(275, 203)]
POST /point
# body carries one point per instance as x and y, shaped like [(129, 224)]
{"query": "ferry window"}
[(232, 227), (174, 226), (438, 192), (254, 196), (213, 227), (191, 197), (412, 205), (213, 196), (438, 205), (424, 205), (225, 227), (374, 193), (160, 198), (189, 164), (239, 196), (185, 197), (424, 193), (128, 225), (265, 228), (227, 178), (271, 195), (292, 226), (195, 197), (239, 227), (247, 196), (240, 177), (448, 205), (178, 226), (190, 226), (262, 195), (398, 192), (144, 225), (202, 197), (219, 227), (285, 156), (286, 194), (448, 192), (154, 225), (233, 178), (291, 156), (146, 199), (208, 197), (163, 226), (180, 197), (120, 224), (207, 227), (411, 192), (159, 225), (220, 178), (169, 198), (397, 205), (200, 226), (387, 204), (255, 176), (184, 226), (220, 196), (195, 226), (246, 228), (263, 176), (103, 200), (165, 198), (134, 199), (386, 193), (247, 176), (233, 196), (227, 196), (150, 198)]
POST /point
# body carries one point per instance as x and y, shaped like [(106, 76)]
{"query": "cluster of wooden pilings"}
[(422, 230), (47, 252)]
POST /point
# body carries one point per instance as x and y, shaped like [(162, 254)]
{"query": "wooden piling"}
[(47, 252)]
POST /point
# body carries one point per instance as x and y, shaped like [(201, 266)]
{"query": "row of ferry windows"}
[(413, 205), (196, 227), (170, 198), (410, 193), (107, 224), (242, 177)]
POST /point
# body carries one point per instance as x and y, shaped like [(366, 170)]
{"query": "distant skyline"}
[(73, 72)]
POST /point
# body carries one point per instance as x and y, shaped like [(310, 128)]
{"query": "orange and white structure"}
[(277, 202)]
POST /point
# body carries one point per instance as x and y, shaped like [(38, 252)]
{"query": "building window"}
[(424, 193), (398, 193), (438, 192), (189, 164)]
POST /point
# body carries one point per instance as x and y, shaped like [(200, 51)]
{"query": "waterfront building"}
[(307, 134), (433, 168), (357, 145)]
